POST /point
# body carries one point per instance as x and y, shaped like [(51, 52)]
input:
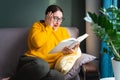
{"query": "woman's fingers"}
[(76, 46), (49, 19), (68, 50)]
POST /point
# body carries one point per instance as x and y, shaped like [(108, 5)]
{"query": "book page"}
[(81, 38), (68, 42)]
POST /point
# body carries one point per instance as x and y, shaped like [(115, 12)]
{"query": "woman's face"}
[(57, 19)]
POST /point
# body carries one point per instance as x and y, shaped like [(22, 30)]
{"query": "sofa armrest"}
[(90, 72)]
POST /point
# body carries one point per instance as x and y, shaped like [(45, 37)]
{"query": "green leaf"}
[(107, 27)]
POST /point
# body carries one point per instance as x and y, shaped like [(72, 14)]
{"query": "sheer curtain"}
[(105, 59)]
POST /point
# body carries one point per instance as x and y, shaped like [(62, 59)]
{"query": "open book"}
[(68, 42)]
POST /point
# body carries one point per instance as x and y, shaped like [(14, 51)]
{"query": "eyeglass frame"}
[(58, 19)]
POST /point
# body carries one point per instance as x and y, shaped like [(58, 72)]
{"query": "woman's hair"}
[(53, 8)]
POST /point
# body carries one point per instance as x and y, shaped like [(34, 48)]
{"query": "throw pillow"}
[(66, 62), (84, 58)]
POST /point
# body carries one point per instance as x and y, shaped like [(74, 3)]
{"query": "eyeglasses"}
[(56, 19)]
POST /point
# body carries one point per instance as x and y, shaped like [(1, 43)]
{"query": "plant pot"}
[(116, 69)]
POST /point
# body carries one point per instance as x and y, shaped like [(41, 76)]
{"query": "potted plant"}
[(106, 26)]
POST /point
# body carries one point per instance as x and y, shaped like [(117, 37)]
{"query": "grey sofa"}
[(13, 44)]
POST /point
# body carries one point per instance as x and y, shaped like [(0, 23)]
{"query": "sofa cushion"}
[(13, 43), (66, 62), (84, 58), (73, 31)]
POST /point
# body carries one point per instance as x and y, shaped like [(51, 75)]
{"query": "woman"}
[(37, 63)]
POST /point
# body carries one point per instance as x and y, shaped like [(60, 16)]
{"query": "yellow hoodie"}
[(42, 39)]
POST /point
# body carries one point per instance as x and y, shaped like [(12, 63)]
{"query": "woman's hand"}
[(49, 19), (68, 50)]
